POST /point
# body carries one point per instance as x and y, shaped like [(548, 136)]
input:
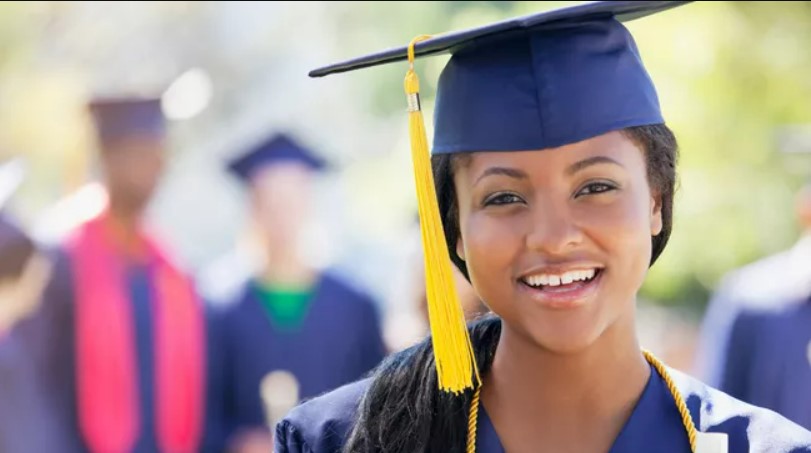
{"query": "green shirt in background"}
[(286, 306)]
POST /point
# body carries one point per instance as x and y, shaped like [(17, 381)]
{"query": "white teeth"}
[(557, 280)]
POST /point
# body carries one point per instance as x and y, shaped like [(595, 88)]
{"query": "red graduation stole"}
[(108, 402)]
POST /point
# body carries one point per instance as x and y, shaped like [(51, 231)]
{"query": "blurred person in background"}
[(120, 333), (27, 423), (768, 358), (771, 284), (293, 325)]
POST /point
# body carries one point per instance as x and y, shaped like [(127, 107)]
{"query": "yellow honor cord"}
[(453, 351), (686, 419), (472, 421)]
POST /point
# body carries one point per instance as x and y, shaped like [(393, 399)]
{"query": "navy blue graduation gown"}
[(338, 341), (50, 340), (322, 425), (27, 422), (769, 361), (139, 282)]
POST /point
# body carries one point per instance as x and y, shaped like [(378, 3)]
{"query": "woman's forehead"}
[(613, 144)]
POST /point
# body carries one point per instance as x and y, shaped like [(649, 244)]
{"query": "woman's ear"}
[(656, 214), (460, 248)]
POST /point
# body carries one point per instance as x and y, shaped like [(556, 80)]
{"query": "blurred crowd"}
[(110, 342), (110, 346)]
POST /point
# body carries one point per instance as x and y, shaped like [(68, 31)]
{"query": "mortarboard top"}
[(451, 42), (275, 149), (530, 83), (122, 117)]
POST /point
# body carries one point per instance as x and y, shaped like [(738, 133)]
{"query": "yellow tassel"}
[(453, 352)]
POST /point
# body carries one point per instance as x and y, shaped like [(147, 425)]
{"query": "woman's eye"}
[(595, 188), (502, 199)]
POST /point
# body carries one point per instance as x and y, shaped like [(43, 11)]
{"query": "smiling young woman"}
[(558, 243), (553, 176)]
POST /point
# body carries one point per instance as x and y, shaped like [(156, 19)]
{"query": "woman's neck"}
[(533, 394)]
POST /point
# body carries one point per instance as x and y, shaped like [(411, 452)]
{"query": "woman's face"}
[(557, 242)]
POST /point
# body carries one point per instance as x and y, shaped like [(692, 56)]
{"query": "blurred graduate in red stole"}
[(120, 335)]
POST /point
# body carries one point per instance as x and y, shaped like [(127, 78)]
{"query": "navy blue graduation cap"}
[(530, 83), (120, 118), (537, 81), (275, 149)]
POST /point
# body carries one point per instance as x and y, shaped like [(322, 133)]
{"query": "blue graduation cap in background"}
[(119, 118), (534, 82), (275, 149)]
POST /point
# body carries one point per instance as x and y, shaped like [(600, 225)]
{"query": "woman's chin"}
[(564, 346), (564, 341)]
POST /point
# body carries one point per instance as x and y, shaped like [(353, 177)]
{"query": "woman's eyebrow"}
[(505, 171), (590, 161)]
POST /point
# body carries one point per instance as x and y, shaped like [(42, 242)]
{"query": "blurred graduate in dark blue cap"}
[(120, 336), (551, 189), (296, 330)]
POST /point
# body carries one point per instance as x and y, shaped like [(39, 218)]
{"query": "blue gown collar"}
[(654, 424)]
